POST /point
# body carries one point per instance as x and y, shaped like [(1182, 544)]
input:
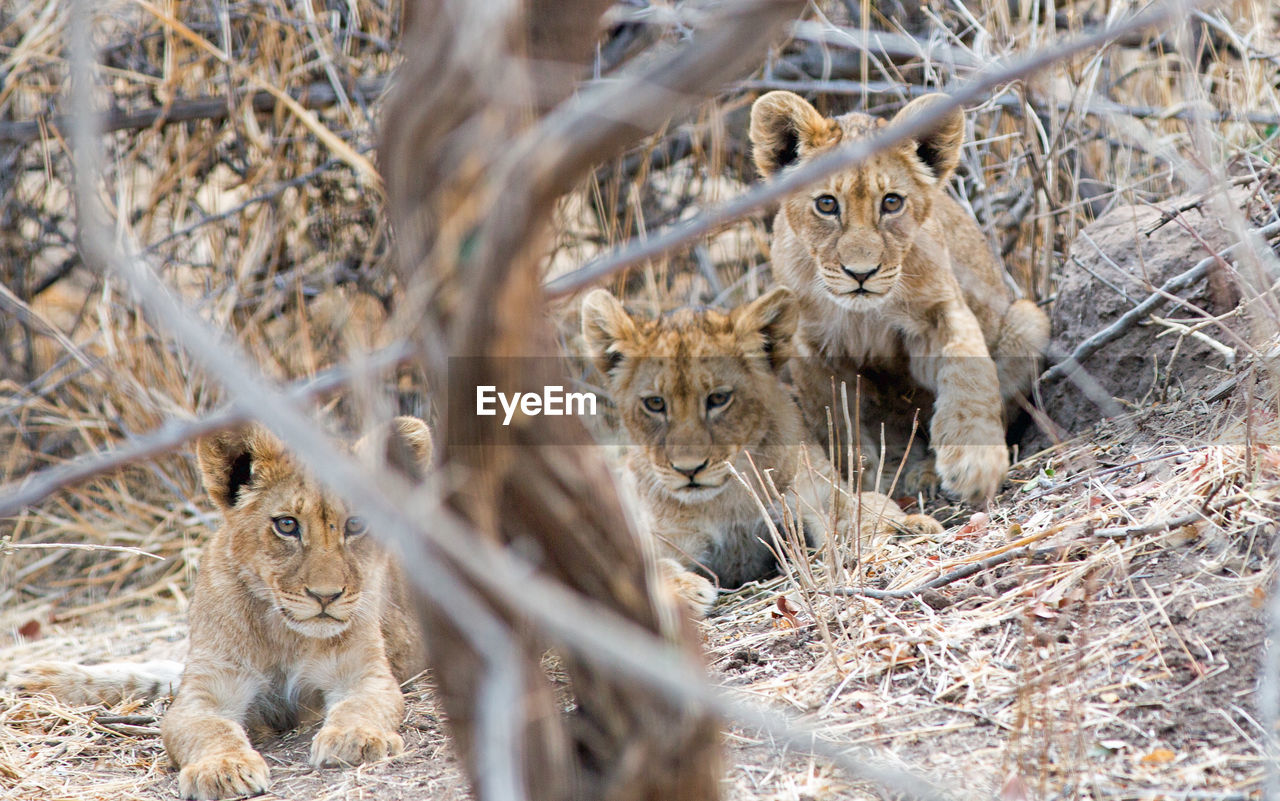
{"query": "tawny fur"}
[(723, 404), (894, 278), (284, 628), (110, 683)]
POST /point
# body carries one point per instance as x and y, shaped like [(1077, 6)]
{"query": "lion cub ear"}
[(783, 126), (405, 446), (229, 460), (939, 148), (765, 326), (409, 447), (606, 327)]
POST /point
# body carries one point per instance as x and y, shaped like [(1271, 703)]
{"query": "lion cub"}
[(296, 612), (895, 279), (697, 391)]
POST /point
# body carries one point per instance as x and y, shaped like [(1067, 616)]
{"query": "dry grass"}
[(1113, 661)]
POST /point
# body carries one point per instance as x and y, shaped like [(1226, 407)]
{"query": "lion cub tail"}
[(109, 683)]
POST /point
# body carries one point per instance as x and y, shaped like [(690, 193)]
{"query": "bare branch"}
[(315, 96), (174, 434), (472, 177)]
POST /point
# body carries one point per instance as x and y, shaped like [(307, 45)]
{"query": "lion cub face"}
[(694, 388), (859, 224), (296, 545)]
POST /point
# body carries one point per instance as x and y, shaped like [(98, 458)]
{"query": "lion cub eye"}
[(286, 526), (356, 526), (827, 205), (654, 404), (717, 400), (891, 203)]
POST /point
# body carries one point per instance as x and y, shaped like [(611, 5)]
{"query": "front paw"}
[(972, 472), (227, 775), (337, 746), (921, 525), (695, 592)]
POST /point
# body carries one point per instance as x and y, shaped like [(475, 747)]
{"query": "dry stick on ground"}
[(1115, 532), (972, 91)]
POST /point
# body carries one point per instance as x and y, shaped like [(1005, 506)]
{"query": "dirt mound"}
[(1117, 263)]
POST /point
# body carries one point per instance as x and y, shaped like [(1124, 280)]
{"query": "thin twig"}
[(1097, 107), (1155, 527), (315, 96), (1027, 550), (6, 546), (176, 433), (940, 581)]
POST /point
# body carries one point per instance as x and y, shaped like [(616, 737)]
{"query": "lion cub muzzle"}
[(691, 476), (689, 470), (325, 597), (861, 277)]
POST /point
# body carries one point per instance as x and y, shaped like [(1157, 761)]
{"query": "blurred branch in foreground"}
[(473, 173)]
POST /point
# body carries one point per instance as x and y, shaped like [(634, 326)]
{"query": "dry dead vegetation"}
[(1113, 645)]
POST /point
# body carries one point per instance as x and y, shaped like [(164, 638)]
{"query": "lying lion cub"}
[(894, 277), (697, 390), (296, 611)]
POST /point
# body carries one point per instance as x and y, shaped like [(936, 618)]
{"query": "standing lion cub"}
[(895, 280), (297, 613)]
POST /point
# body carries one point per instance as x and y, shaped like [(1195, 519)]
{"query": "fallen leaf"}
[(1160, 756), (785, 616)]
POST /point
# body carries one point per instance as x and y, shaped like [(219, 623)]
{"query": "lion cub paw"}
[(225, 775), (696, 592), (336, 746), (921, 525), (973, 472)]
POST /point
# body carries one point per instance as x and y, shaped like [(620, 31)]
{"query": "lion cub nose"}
[(860, 277), (688, 470), (325, 595)]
